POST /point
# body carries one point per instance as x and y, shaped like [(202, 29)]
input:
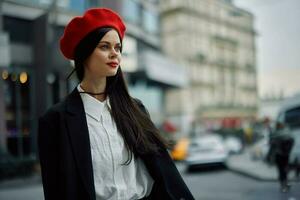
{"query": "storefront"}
[(18, 100)]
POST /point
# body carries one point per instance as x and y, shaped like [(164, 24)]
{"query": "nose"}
[(113, 53)]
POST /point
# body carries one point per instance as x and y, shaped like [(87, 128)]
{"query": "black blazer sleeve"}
[(48, 154), (169, 178)]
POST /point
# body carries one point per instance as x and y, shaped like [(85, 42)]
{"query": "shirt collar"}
[(92, 106)]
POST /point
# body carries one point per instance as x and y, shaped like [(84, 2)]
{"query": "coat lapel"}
[(79, 137)]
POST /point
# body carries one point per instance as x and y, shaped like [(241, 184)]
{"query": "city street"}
[(226, 185), (218, 184), (85, 84), (27, 192)]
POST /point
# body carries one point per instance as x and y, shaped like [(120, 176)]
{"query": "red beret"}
[(81, 26)]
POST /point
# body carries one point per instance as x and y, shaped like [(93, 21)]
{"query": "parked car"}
[(206, 150), (233, 145)]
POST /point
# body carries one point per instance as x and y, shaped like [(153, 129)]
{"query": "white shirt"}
[(113, 181)]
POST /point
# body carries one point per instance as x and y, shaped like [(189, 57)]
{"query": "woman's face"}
[(106, 57)]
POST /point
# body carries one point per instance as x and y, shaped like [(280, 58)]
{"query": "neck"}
[(95, 88)]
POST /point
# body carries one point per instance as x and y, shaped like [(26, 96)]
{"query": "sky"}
[(277, 23)]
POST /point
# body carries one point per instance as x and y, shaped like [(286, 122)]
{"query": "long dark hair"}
[(140, 135)]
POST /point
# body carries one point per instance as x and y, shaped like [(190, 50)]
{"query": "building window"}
[(74, 5), (77, 5), (18, 116), (91, 3), (59, 3), (131, 11), (154, 1), (20, 30), (150, 21)]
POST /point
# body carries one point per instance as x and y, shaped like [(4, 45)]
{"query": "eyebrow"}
[(109, 42)]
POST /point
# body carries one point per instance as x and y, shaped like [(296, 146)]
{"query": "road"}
[(217, 184), (222, 184)]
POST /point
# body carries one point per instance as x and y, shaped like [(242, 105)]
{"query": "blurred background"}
[(217, 72)]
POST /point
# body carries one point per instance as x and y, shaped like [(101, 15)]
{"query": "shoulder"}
[(53, 113)]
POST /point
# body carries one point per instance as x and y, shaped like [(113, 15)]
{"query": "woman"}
[(99, 143)]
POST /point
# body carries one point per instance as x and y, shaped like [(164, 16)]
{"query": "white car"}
[(233, 145), (208, 149)]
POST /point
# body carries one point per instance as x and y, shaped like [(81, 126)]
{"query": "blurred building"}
[(215, 41), (269, 107), (34, 71)]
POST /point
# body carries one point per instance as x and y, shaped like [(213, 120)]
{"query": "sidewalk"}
[(17, 182), (257, 169)]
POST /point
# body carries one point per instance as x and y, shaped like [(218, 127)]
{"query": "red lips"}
[(113, 64)]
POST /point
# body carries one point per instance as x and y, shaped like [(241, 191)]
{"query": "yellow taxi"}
[(180, 149)]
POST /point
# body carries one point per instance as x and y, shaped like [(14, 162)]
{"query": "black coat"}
[(66, 162)]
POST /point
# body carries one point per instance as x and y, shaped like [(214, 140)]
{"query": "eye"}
[(104, 47), (118, 48)]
